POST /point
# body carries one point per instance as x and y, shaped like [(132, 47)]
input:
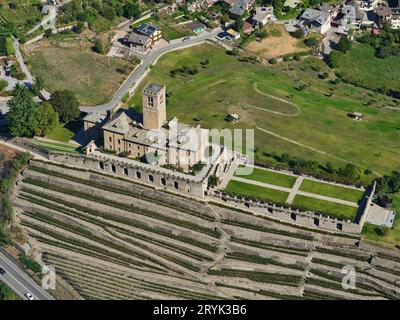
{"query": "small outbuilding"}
[(356, 116), (196, 27), (233, 117), (90, 148)]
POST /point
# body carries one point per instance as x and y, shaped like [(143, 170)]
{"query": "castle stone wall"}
[(159, 178), (307, 219)]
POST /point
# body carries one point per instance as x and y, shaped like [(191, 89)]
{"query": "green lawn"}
[(311, 123), (266, 176), (333, 209), (24, 16), (385, 236), (330, 190), (6, 293), (360, 66), (250, 190), (64, 133), (56, 146)]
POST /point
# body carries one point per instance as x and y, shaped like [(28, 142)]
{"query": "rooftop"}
[(315, 15), (147, 29), (134, 37), (153, 87)]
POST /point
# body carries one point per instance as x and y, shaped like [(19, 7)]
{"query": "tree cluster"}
[(386, 44), (91, 10), (28, 118)]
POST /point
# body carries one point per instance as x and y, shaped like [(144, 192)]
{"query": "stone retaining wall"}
[(308, 219), (136, 173)]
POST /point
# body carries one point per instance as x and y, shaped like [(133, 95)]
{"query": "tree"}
[(299, 33), (344, 44), (131, 10), (3, 84), (98, 47), (311, 42), (213, 181), (38, 85), (23, 113), (47, 119), (78, 28), (48, 33), (239, 24), (65, 104)]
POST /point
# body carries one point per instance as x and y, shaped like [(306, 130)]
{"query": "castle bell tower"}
[(154, 106)]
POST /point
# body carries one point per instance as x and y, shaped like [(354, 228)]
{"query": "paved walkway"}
[(295, 189), (292, 192)]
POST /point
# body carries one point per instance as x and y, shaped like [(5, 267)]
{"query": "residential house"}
[(150, 30), (232, 34), (261, 15), (332, 9), (247, 27), (240, 7), (196, 26), (316, 20), (384, 14), (395, 17), (137, 42), (351, 17), (367, 5)]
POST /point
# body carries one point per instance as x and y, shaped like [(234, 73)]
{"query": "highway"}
[(138, 73), (19, 281)]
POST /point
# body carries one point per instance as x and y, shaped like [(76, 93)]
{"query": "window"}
[(119, 141), (138, 175), (293, 216), (110, 139), (101, 165), (113, 168), (176, 185), (163, 181), (151, 178), (126, 171), (339, 226), (316, 222)]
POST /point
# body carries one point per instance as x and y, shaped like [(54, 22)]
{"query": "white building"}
[(316, 20), (262, 14)]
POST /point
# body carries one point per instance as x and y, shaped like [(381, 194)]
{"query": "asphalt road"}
[(141, 69), (20, 282)]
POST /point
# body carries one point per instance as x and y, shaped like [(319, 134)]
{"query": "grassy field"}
[(310, 123), (261, 193), (64, 133), (275, 178), (55, 146), (6, 293), (360, 66), (330, 190), (71, 64), (334, 209), (382, 235), (24, 16)]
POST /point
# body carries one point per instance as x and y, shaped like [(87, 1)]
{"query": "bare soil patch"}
[(278, 43)]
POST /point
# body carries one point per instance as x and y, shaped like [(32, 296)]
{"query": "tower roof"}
[(152, 88)]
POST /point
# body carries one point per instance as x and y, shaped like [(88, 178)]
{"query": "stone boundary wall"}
[(153, 177), (295, 216), (365, 212)]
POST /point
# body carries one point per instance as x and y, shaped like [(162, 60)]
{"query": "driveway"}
[(136, 76)]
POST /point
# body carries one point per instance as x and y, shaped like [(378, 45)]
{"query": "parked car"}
[(185, 39), (2, 271), (28, 296)]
